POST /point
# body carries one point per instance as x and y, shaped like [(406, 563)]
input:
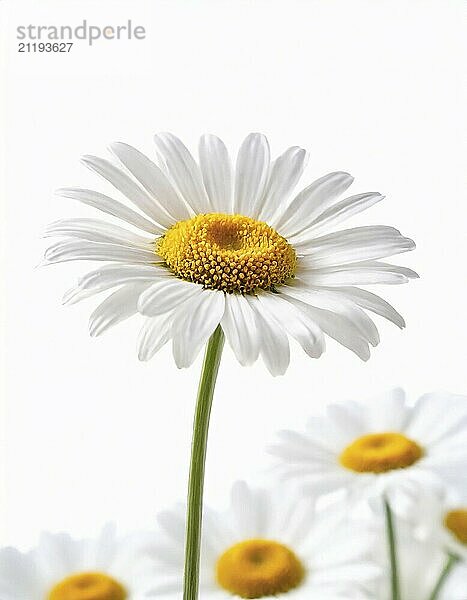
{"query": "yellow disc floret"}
[(380, 452), (257, 568), (231, 253), (456, 522), (88, 586)]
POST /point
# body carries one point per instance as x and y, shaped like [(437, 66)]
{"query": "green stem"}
[(450, 562), (391, 533), (207, 384)]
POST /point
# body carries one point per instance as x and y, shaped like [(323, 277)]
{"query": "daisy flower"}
[(61, 568), (421, 563), (264, 546), (213, 245), (441, 522), (431, 550), (385, 447)]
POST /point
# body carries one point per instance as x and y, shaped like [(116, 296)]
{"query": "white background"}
[(371, 87)]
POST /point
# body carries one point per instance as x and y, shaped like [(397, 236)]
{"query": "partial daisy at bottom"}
[(431, 539), (211, 244), (267, 545), (386, 446), (421, 561), (61, 568)]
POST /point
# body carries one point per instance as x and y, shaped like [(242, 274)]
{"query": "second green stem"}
[(392, 547)]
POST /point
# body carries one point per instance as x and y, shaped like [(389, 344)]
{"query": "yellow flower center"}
[(88, 586), (258, 568), (231, 253), (380, 452), (456, 522)]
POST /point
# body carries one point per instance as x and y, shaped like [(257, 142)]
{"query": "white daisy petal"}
[(311, 202), (68, 250), (109, 276), (285, 172), (194, 323), (432, 420), (166, 295), (341, 329), (240, 329), (154, 334), (217, 173), (373, 303), (343, 210), (362, 273), (297, 323), (274, 345), (97, 231), (111, 207), (353, 245), (120, 305), (171, 206), (327, 299), (251, 175), (129, 188), (18, 575), (183, 170)]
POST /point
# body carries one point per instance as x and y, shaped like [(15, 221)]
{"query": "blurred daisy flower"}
[(384, 447), (422, 569), (266, 545), (213, 245), (61, 568), (441, 523)]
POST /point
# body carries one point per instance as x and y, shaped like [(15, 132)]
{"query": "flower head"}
[(61, 568), (210, 245), (387, 446), (267, 545)]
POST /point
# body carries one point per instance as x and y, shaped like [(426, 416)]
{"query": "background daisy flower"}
[(385, 447), (213, 245), (266, 545), (421, 562), (61, 568)]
